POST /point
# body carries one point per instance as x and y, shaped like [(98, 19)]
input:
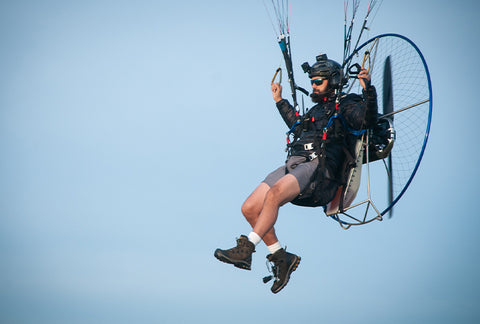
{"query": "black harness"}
[(327, 177)]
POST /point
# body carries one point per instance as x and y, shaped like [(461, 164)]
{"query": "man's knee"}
[(251, 209), (247, 208)]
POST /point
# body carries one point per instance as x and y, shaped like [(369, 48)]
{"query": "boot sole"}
[(239, 264), (292, 268)]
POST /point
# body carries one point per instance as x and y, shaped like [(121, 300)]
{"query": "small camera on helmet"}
[(321, 57), (306, 67)]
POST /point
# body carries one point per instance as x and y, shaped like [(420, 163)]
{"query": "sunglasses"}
[(317, 82)]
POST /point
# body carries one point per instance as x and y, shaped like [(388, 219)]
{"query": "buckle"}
[(313, 156), (308, 146)]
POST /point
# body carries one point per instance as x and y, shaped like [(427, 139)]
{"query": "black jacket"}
[(355, 113)]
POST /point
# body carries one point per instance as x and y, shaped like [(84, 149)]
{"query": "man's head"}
[(329, 71)]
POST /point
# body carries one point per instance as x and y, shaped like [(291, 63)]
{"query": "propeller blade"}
[(387, 87), (388, 108)]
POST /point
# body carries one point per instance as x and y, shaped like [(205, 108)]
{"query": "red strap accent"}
[(337, 106), (313, 119), (324, 136), (297, 114)]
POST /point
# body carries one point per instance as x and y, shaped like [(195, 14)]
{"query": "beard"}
[(316, 97), (319, 96)]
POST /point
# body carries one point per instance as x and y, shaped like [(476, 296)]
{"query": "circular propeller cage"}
[(400, 75)]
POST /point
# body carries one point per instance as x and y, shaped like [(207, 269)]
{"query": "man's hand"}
[(364, 78), (276, 91)]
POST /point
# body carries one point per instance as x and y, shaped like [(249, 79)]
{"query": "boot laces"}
[(240, 242), (241, 245), (274, 268)]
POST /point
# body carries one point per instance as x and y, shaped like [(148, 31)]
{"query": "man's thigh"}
[(285, 190)]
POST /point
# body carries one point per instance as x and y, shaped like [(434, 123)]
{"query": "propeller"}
[(388, 108)]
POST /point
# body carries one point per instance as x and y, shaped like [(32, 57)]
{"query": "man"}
[(312, 173)]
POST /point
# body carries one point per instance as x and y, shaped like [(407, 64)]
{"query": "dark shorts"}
[(298, 166)]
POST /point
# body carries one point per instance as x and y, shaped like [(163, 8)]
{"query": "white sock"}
[(274, 247), (254, 238)]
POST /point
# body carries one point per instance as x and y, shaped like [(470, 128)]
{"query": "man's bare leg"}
[(285, 190), (261, 211), (252, 207), (284, 263)]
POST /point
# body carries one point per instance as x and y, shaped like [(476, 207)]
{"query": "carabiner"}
[(279, 72)]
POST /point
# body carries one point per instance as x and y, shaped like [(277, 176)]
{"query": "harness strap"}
[(344, 122)]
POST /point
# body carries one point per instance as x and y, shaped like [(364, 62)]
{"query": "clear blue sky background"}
[(132, 131)]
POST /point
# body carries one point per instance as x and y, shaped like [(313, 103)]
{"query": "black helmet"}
[(325, 68)]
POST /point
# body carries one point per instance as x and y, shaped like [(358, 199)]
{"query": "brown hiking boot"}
[(240, 256), (284, 264)]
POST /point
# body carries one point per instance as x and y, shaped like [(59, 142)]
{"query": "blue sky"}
[(132, 131)]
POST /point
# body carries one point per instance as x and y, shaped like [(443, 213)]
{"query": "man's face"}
[(319, 88), (319, 85)]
